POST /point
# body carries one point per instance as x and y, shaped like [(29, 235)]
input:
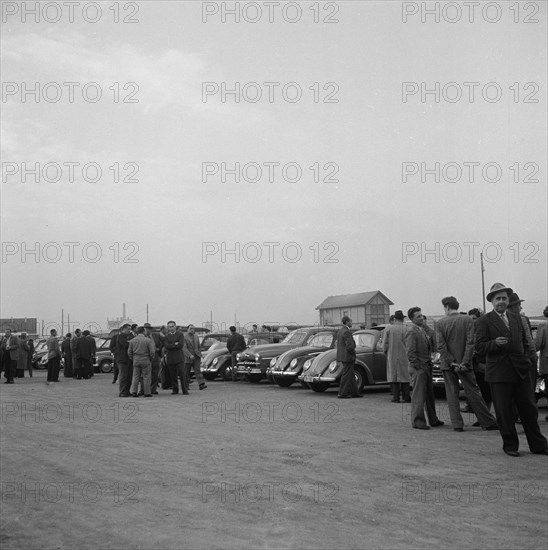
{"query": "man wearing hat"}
[(397, 372), (501, 337), (515, 307)]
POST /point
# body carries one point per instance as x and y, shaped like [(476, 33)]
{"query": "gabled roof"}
[(349, 300)]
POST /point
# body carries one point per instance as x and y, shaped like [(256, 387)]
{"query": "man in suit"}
[(73, 343), (85, 353), (125, 366), (346, 354), (419, 346), (193, 356), (235, 344), (10, 348), (501, 336), (54, 357), (173, 344), (455, 341), (158, 344)]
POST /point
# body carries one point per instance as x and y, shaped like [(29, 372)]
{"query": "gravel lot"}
[(254, 466)]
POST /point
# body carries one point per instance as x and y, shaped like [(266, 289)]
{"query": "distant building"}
[(364, 308), (117, 322), (20, 324)]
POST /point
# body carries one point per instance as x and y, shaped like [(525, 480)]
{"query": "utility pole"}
[(482, 281), (147, 313), (62, 321)]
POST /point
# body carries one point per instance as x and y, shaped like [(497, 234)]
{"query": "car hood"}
[(210, 356), (267, 350), (322, 361)]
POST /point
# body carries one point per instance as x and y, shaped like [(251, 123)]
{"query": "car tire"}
[(209, 375), (254, 378), (360, 378), (318, 387), (106, 366), (227, 374)]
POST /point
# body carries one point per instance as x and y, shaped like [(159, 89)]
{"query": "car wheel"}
[(209, 375), (254, 378), (106, 366), (360, 379), (227, 374), (318, 386), (283, 382)]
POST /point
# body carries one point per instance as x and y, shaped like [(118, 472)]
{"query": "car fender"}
[(368, 376)]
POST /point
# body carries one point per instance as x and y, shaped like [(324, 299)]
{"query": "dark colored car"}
[(104, 360), (254, 362), (285, 369), (324, 370), (218, 362)]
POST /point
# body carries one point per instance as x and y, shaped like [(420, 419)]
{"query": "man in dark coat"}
[(125, 366), (85, 352), (67, 355), (501, 336), (112, 347), (235, 344), (54, 357), (73, 342), (346, 354), (10, 348), (173, 344)]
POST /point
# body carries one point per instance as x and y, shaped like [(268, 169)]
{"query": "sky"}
[(341, 133)]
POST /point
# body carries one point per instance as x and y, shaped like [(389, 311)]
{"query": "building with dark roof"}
[(364, 308)]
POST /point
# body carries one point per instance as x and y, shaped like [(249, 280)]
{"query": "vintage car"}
[(285, 369), (218, 362), (254, 362), (324, 370)]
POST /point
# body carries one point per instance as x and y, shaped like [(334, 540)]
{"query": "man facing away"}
[(173, 344), (193, 356), (85, 354), (455, 340), (10, 345), (235, 344), (346, 354), (54, 357), (141, 351), (396, 358), (419, 346), (501, 336), (73, 346)]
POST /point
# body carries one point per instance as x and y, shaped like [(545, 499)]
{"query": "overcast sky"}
[(362, 217)]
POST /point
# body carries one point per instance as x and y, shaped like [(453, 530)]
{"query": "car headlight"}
[(293, 363), (237, 357), (307, 364), (257, 357), (332, 366), (273, 361), (215, 361)]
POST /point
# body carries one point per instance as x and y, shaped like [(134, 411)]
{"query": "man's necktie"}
[(505, 320)]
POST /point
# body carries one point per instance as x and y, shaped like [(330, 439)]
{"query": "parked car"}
[(253, 363), (285, 369), (218, 362), (104, 360), (324, 370)]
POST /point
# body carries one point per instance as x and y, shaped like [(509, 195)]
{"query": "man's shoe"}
[(343, 397), (203, 386), (492, 428), (437, 423), (356, 396), (148, 395), (512, 453), (421, 427), (476, 424), (543, 452), (134, 395), (174, 392), (458, 429), (124, 395), (155, 392), (185, 393)]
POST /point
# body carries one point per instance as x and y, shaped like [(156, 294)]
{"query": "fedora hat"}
[(399, 315), (498, 287), (514, 300)]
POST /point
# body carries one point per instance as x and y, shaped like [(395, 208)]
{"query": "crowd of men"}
[(492, 356)]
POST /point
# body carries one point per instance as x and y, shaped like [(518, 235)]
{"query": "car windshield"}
[(295, 337), (365, 340), (207, 342), (100, 342), (320, 340)]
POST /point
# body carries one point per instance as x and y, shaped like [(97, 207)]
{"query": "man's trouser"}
[(177, 372), (473, 394), (422, 396), (348, 380), (141, 367), (53, 368), (125, 377)]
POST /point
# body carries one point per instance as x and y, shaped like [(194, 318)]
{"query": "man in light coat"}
[(193, 356), (397, 364)]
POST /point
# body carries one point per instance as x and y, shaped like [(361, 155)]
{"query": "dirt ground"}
[(254, 466)]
